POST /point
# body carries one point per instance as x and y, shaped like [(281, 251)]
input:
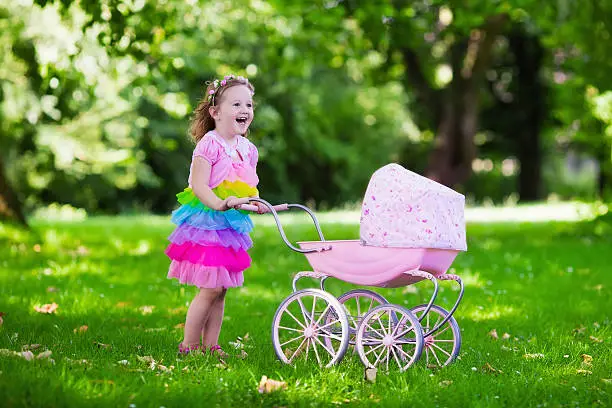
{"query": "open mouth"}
[(242, 120)]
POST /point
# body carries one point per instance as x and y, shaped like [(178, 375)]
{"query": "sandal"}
[(218, 351), (185, 350)]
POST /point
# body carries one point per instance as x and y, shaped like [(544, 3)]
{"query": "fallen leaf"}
[(81, 329), (221, 365), (101, 345), (579, 330), (36, 248), (147, 309), (533, 356), (607, 380), (44, 354), (122, 304), (267, 385), (80, 362), (243, 355), (178, 310), (595, 339), (52, 289), (488, 368), (48, 308), (180, 326), (506, 336), (246, 337), (374, 398), (445, 383), (586, 359), (493, 333), (370, 374), (31, 347), (584, 372), (82, 250), (28, 355)]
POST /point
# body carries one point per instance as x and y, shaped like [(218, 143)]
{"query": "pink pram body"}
[(353, 262)]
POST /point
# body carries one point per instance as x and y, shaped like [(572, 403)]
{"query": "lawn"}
[(535, 322)]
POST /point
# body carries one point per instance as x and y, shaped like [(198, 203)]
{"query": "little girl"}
[(208, 247)]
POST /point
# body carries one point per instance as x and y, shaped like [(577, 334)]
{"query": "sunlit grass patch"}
[(534, 321)]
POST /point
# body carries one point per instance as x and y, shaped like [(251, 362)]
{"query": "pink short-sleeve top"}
[(228, 163)]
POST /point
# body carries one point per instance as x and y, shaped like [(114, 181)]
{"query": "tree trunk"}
[(454, 150), (450, 162), (604, 176), (10, 206), (529, 105)]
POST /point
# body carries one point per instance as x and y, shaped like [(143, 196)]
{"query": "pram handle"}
[(283, 207), (254, 208)]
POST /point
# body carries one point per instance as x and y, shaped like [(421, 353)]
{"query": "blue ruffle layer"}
[(212, 220)]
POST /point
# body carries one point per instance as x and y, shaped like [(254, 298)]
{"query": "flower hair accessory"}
[(218, 84)]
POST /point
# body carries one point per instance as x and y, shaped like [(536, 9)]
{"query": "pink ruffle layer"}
[(230, 259), (205, 276), (226, 238)]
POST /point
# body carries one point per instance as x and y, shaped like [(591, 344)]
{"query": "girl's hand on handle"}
[(261, 208), (232, 202)]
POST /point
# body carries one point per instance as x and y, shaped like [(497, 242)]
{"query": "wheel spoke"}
[(314, 347), (329, 335), (443, 330), (307, 348), (304, 312), (297, 350), (404, 333), (397, 326), (396, 358), (444, 340), (382, 326), (373, 329), (332, 352), (328, 324), (314, 305), (322, 314), (403, 352), (290, 328), (295, 318), (435, 356), (378, 357), (373, 348), (387, 357), (441, 349), (290, 341)]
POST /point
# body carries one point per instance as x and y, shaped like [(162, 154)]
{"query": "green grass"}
[(545, 286)]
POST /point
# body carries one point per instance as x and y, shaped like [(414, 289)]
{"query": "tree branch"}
[(480, 46)]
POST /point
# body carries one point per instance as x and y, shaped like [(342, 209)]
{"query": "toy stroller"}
[(411, 229)]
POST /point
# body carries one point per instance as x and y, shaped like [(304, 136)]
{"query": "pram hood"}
[(406, 210)]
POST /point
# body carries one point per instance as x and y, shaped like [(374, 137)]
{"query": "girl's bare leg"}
[(212, 327), (198, 312)]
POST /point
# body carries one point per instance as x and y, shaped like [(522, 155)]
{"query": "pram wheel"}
[(443, 345), (310, 319), (356, 304), (389, 335)]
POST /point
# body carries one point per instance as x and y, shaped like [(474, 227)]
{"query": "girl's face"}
[(234, 114)]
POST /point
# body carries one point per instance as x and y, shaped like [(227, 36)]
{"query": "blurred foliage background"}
[(504, 100)]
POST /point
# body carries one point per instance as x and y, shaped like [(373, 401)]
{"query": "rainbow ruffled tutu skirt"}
[(208, 248)]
